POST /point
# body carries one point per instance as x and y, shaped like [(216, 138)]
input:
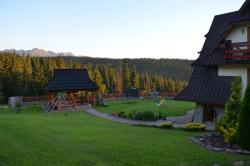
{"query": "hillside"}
[(171, 68)]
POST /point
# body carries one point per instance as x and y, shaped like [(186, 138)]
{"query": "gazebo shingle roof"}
[(71, 79)]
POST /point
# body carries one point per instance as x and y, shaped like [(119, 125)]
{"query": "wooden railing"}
[(238, 51), (27, 99)]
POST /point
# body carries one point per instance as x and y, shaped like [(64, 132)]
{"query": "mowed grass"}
[(170, 107), (35, 138)]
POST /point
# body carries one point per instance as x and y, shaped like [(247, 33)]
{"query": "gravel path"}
[(178, 121)]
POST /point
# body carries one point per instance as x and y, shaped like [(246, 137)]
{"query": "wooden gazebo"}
[(73, 86)]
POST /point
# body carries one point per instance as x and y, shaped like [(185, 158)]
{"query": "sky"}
[(111, 28)]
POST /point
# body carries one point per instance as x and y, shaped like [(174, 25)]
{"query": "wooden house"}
[(225, 54)]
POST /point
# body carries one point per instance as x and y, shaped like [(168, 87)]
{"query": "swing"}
[(60, 102)]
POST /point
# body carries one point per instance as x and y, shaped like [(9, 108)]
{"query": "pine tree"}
[(147, 83), (118, 81), (60, 63), (51, 67), (77, 65), (28, 67), (243, 129), (178, 86), (90, 71), (98, 80), (135, 78), (126, 76), (106, 76), (171, 85), (40, 71)]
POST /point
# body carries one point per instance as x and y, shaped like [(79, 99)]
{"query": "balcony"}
[(238, 51)]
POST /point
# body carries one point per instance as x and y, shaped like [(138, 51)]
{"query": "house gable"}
[(245, 7)]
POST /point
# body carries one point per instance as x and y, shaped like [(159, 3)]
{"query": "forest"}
[(27, 75)]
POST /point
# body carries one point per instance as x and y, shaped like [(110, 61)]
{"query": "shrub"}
[(150, 116), (146, 116), (243, 129), (131, 115), (138, 116), (162, 115), (226, 124), (195, 126), (229, 135), (219, 122), (166, 125), (122, 114)]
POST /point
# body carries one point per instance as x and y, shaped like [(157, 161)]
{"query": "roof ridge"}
[(223, 14)]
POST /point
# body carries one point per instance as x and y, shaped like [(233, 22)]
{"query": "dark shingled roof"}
[(205, 85), (220, 25), (71, 79)]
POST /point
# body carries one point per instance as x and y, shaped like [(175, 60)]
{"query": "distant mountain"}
[(39, 52)]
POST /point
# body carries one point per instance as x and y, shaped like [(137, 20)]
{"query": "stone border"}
[(239, 151)]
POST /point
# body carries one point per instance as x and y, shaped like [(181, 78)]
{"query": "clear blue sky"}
[(111, 28)]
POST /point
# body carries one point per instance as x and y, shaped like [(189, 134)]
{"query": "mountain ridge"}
[(39, 52)]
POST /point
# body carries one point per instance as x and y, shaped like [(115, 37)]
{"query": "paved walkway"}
[(178, 121)]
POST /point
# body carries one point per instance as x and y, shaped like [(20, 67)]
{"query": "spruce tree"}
[(134, 78), (171, 85), (106, 76), (118, 81), (98, 80), (60, 63), (243, 129), (90, 71), (126, 76), (97, 76)]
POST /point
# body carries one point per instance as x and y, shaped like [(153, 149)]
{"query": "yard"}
[(35, 138), (169, 107)]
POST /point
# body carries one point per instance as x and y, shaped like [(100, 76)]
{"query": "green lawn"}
[(35, 138), (170, 107)]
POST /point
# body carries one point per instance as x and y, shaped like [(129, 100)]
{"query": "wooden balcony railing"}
[(238, 51)]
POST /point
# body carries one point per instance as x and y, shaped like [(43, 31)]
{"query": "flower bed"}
[(216, 143)]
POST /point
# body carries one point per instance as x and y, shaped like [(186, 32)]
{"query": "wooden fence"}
[(106, 97)]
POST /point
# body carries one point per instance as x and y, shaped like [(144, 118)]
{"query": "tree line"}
[(171, 68), (27, 76)]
